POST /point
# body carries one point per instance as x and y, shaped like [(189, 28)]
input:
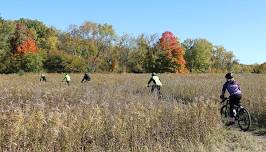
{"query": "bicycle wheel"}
[(244, 120), (156, 91), (224, 113)]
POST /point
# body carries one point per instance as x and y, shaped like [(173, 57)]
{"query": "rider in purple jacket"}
[(235, 94)]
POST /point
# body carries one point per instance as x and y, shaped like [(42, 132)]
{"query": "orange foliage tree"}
[(23, 41), (173, 52)]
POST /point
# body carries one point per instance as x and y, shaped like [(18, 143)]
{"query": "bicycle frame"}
[(239, 111), (236, 107)]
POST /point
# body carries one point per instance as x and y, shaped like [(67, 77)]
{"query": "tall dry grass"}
[(190, 87), (116, 112)]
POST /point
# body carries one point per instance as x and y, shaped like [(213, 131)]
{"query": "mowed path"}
[(260, 137), (256, 138)]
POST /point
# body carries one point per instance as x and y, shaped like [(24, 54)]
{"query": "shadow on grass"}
[(257, 131), (260, 132)]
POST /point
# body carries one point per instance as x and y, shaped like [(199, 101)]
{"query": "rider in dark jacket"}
[(86, 77), (235, 94)]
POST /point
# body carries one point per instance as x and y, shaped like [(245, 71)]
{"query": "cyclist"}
[(43, 78), (86, 77), (235, 95), (67, 78), (156, 82)]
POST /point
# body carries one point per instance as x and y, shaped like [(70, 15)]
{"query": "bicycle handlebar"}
[(224, 99)]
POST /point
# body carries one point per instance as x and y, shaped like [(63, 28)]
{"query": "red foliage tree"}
[(173, 51), (28, 46), (23, 41)]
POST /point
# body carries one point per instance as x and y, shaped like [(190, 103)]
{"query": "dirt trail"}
[(260, 137), (239, 141)]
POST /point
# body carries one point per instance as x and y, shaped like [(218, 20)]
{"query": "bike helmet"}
[(229, 75), (153, 74)]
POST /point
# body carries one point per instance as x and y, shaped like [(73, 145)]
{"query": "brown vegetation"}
[(117, 113)]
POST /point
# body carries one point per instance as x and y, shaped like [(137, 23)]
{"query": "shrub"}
[(58, 61), (32, 62)]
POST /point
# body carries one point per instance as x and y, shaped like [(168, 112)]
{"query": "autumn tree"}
[(45, 37), (23, 41), (172, 55), (24, 50), (29, 45), (91, 41)]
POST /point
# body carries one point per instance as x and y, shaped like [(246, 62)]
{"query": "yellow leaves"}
[(52, 42)]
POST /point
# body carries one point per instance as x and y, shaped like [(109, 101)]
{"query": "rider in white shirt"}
[(157, 84), (67, 78)]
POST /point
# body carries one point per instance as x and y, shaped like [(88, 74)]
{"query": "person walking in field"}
[(86, 78), (67, 79), (235, 95), (43, 78), (157, 84)]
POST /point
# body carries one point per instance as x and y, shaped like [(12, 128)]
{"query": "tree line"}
[(31, 46)]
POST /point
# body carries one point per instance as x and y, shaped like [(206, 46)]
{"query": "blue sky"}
[(238, 25)]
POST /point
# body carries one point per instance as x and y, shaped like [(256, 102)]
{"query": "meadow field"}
[(116, 112)]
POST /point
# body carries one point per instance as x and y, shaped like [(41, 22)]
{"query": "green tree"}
[(104, 43), (262, 68), (74, 64), (242, 68), (198, 54), (32, 62), (55, 62), (59, 61), (222, 60), (138, 54), (7, 29), (124, 45), (149, 45), (91, 41)]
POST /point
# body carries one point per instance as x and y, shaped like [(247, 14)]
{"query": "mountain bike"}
[(241, 114)]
